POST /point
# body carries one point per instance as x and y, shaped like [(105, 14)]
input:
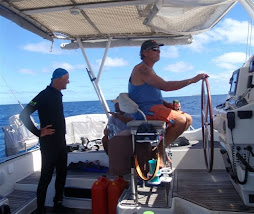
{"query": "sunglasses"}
[(154, 49)]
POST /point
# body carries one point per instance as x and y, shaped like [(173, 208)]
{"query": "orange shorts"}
[(163, 113)]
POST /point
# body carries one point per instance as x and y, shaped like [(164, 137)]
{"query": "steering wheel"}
[(207, 124)]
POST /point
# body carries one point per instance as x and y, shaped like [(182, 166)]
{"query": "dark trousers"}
[(50, 161)]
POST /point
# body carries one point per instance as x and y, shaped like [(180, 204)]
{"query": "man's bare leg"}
[(189, 121), (160, 148), (173, 132), (182, 123)]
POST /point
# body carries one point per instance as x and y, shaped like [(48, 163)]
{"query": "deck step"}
[(29, 183), (22, 202), (23, 199), (78, 203), (77, 192), (4, 205), (78, 197)]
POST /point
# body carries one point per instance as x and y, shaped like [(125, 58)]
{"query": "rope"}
[(139, 171)]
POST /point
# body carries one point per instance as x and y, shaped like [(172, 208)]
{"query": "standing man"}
[(51, 135), (145, 88)]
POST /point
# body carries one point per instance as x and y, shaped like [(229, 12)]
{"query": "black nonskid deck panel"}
[(148, 196), (213, 191), (18, 199)]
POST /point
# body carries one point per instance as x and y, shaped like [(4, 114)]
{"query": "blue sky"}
[(26, 63)]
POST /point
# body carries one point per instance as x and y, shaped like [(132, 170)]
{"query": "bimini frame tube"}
[(248, 6), (103, 60), (94, 79)]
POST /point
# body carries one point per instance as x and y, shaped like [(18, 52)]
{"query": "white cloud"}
[(198, 42), (225, 76), (227, 66), (67, 66), (179, 67), (228, 31), (113, 62), (230, 61), (231, 31), (43, 47), (46, 70), (169, 52), (26, 71)]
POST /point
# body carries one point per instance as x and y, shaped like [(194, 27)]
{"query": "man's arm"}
[(148, 76), (125, 119), (168, 105), (25, 118)]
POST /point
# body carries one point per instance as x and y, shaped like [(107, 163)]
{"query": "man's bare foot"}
[(168, 162), (168, 159)]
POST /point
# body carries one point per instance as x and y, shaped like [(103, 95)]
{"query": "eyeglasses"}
[(154, 49)]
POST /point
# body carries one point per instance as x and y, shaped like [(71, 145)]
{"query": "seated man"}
[(145, 89), (116, 124)]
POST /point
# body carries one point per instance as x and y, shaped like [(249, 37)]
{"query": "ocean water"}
[(189, 104)]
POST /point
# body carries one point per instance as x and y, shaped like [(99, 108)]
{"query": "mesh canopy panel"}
[(119, 19)]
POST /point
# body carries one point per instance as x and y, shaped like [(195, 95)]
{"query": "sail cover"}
[(127, 23)]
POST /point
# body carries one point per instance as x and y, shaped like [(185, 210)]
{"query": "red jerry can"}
[(99, 194), (115, 189)]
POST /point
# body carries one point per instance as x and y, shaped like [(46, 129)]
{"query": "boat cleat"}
[(166, 170), (165, 174), (165, 179)]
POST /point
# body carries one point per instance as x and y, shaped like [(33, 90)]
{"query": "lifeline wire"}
[(12, 92)]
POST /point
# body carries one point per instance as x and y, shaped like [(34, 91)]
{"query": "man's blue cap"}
[(59, 72)]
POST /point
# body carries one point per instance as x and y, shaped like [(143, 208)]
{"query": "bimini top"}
[(127, 23)]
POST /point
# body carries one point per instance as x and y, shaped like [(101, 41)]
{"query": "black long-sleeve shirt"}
[(49, 105)]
